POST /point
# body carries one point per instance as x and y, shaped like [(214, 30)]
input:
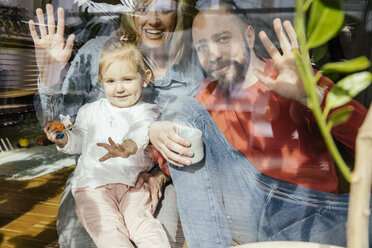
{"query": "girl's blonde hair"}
[(178, 48), (119, 50)]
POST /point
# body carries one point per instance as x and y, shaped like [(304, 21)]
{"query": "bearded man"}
[(267, 174)]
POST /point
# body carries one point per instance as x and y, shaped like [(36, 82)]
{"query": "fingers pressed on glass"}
[(69, 44), (269, 46), (51, 22), (42, 26), (291, 33), (33, 32), (268, 81), (282, 37), (61, 22)]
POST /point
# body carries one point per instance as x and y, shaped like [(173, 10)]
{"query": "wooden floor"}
[(28, 210)]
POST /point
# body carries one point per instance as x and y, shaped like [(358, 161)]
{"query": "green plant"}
[(325, 20)]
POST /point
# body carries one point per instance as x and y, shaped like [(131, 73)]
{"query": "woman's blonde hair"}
[(124, 51), (178, 48)]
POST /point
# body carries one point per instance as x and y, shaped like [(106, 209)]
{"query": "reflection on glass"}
[(224, 67)]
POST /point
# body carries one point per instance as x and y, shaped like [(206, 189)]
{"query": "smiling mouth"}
[(154, 33), (121, 97)]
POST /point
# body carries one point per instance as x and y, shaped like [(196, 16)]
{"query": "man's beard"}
[(235, 74)]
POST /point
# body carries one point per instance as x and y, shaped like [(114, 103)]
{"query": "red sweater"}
[(279, 136)]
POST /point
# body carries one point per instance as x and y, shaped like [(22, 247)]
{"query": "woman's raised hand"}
[(51, 52)]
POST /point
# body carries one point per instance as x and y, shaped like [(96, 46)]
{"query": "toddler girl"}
[(114, 213)]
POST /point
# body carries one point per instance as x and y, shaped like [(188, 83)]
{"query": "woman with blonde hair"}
[(161, 26)]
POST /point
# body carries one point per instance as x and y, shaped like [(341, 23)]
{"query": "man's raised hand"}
[(288, 83)]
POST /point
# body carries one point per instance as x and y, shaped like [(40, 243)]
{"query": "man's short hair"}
[(243, 16)]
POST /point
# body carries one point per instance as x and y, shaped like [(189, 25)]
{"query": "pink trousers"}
[(115, 214)]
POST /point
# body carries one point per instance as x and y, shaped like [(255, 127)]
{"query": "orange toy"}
[(58, 125)]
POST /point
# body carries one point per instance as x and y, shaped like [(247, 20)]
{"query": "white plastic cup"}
[(195, 136)]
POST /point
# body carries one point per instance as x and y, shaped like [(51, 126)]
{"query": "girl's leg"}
[(145, 231), (71, 233), (97, 210)]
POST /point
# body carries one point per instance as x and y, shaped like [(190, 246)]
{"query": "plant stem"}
[(309, 80), (307, 5), (360, 188)]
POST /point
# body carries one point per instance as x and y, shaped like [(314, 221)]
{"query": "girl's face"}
[(123, 84), (155, 21)]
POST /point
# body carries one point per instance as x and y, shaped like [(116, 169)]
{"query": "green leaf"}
[(316, 9), (355, 83), (318, 53), (334, 77), (336, 98), (325, 21), (340, 116), (352, 65)]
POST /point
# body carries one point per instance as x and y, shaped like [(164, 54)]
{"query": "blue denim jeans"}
[(224, 197)]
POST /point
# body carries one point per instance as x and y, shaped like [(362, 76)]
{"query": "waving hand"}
[(288, 83), (51, 52)]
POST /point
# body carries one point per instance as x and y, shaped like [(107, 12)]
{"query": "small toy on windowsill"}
[(64, 122)]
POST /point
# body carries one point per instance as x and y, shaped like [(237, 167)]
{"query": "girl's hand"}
[(51, 52), (51, 133), (127, 148)]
